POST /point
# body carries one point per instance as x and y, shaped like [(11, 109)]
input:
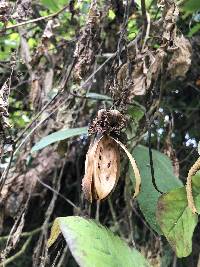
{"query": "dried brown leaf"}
[(4, 10), (88, 43), (181, 59)]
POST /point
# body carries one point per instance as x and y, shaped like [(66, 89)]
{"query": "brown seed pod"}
[(102, 168), (102, 165), (89, 171), (106, 167)]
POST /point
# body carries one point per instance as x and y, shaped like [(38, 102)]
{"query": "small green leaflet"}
[(98, 96), (58, 136), (91, 244), (191, 6)]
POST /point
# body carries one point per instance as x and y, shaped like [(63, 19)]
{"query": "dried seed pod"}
[(89, 171), (106, 167), (110, 122), (102, 165), (102, 168)]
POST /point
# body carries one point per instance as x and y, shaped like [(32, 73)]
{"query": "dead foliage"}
[(145, 64), (88, 43), (5, 137), (136, 69)]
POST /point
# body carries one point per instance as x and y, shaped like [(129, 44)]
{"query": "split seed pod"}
[(102, 165)]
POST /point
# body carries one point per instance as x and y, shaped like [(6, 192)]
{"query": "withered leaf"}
[(181, 59)]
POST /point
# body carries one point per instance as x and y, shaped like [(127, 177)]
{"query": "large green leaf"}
[(176, 219), (165, 181), (54, 5), (58, 136), (147, 2), (191, 6), (93, 245)]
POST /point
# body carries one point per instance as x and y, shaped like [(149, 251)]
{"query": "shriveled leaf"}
[(145, 72), (165, 181), (58, 136), (181, 59), (91, 244), (106, 167), (177, 220)]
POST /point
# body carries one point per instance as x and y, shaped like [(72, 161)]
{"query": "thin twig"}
[(147, 30), (144, 13), (151, 155), (114, 217), (25, 234), (34, 20), (63, 257), (60, 195), (97, 210), (18, 254), (48, 103), (64, 83), (37, 125)]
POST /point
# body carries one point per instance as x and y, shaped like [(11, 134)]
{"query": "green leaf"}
[(54, 5), (176, 219), (165, 181), (191, 6), (111, 14), (51, 4), (147, 2), (98, 96), (194, 30), (93, 245), (136, 112), (58, 136)]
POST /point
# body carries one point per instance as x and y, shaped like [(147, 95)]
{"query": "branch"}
[(144, 13), (34, 20), (25, 234), (18, 254), (146, 18)]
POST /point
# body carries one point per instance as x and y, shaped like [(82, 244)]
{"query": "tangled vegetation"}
[(99, 132)]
